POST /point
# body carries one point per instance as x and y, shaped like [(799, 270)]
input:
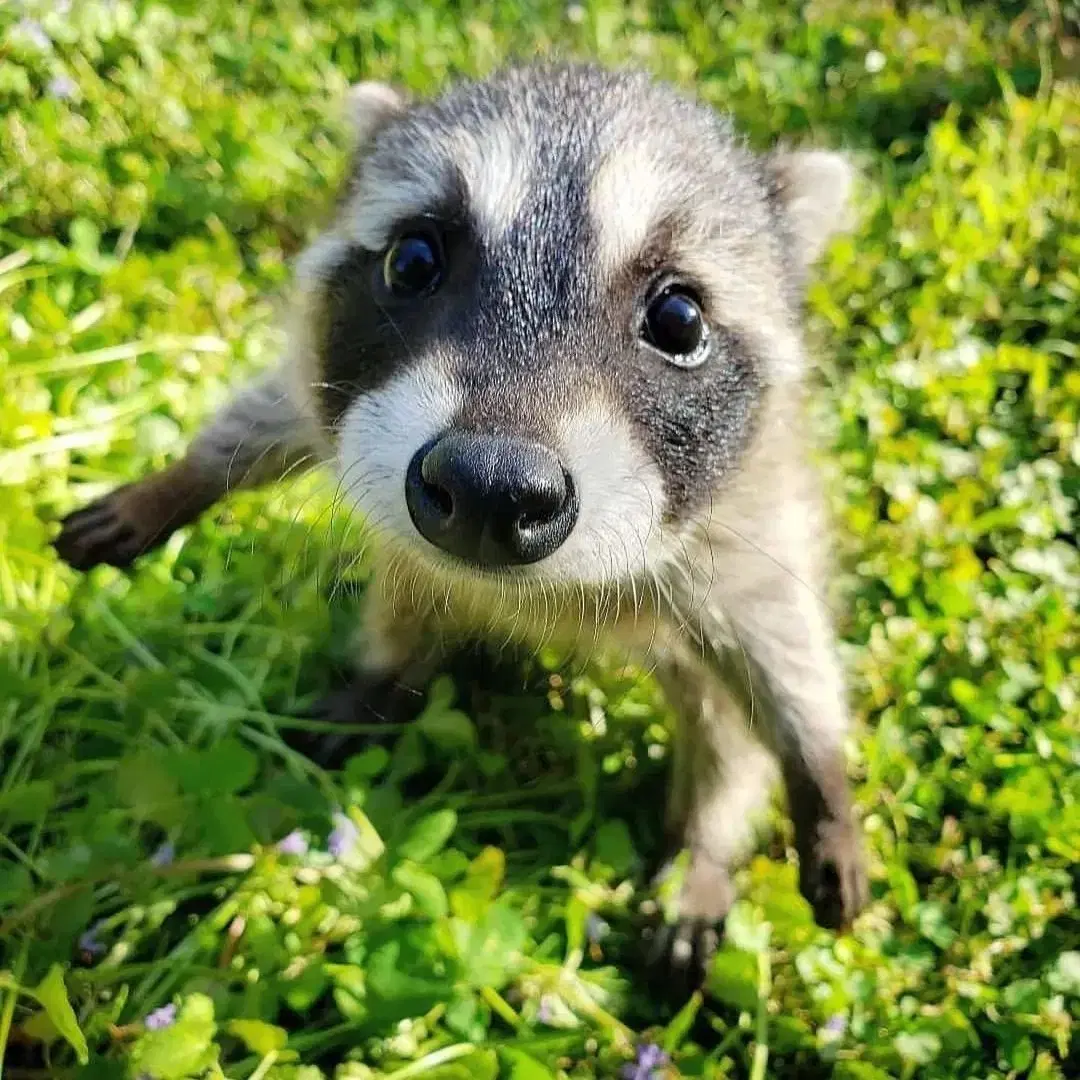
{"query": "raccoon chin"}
[(601, 569)]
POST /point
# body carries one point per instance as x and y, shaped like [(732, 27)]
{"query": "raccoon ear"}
[(814, 187), (371, 106)]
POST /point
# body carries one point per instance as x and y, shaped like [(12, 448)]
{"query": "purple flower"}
[(543, 1014), (160, 1018), (62, 87), (89, 943), (836, 1025), (344, 836), (35, 32), (293, 844), (649, 1058), (163, 856)]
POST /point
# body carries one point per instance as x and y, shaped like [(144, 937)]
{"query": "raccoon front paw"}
[(112, 531), (678, 952), (383, 701), (832, 874), (386, 701)]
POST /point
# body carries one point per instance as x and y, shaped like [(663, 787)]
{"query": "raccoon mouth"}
[(492, 501)]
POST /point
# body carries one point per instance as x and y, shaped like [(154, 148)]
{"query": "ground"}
[(464, 901)]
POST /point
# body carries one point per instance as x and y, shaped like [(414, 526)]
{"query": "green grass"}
[(146, 224)]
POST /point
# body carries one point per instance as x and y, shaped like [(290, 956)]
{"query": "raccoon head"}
[(544, 326)]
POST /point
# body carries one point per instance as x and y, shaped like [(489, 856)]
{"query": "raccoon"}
[(551, 349)]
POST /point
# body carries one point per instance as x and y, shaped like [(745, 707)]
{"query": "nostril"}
[(542, 507), (533, 519), (428, 496), (442, 498), (434, 489), (547, 515)]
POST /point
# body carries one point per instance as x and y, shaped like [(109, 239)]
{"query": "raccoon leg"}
[(786, 668), (721, 781), (258, 437), (395, 656)]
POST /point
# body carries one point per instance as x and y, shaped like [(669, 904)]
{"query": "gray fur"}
[(260, 436)]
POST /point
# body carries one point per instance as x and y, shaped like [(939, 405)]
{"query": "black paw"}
[(832, 874), (679, 948), (106, 532), (355, 716), (677, 955)]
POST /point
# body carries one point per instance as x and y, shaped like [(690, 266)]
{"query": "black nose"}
[(494, 500)]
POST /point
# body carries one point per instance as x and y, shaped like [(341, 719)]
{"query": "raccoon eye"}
[(675, 326), (413, 265)]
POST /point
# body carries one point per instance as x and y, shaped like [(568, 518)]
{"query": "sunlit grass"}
[(464, 901)]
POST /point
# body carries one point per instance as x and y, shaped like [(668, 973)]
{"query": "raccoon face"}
[(545, 325)]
